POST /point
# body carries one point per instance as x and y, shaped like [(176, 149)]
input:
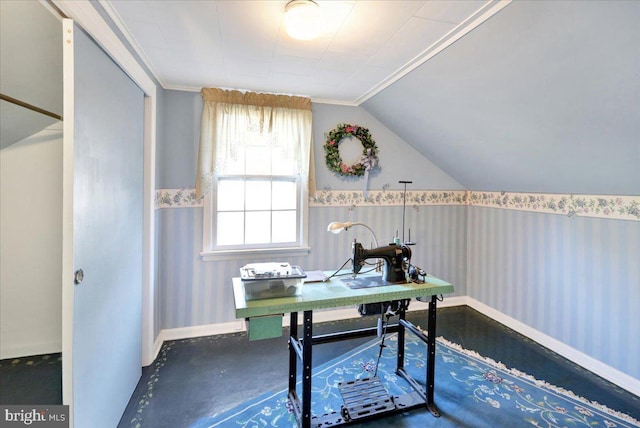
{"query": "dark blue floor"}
[(196, 377), (205, 376), (35, 379)]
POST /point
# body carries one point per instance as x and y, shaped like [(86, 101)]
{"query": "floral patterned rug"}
[(470, 391)]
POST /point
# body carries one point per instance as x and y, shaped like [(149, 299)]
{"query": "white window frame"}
[(210, 252)]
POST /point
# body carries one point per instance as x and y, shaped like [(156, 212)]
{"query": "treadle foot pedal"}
[(364, 398)]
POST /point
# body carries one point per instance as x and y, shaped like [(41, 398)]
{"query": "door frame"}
[(83, 13)]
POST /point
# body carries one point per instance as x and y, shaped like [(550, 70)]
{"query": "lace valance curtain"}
[(228, 116)]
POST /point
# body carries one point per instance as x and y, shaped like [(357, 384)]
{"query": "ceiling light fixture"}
[(303, 19)]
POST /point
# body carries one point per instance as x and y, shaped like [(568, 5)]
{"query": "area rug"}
[(470, 391)]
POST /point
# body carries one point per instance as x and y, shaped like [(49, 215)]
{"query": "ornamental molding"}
[(570, 205)]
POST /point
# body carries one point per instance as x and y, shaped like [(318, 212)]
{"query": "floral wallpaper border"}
[(333, 198), (600, 206), (177, 198)]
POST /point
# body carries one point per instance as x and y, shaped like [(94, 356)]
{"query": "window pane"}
[(284, 226), (259, 161), (230, 228), (258, 195), (284, 195), (230, 195), (258, 227)]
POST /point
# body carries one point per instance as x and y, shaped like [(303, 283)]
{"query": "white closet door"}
[(102, 233)]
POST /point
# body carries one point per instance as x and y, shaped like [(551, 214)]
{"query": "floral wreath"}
[(369, 157)]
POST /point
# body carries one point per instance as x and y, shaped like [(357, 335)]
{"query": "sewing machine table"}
[(333, 294)]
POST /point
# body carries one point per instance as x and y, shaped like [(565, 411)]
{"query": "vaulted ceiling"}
[(544, 97), (533, 96), (243, 44)]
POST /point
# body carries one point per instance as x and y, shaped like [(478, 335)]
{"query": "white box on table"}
[(271, 280)]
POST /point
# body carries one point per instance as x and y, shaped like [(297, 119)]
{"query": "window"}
[(256, 211), (257, 198), (255, 188)]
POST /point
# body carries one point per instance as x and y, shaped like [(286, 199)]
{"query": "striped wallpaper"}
[(574, 277), (193, 292)]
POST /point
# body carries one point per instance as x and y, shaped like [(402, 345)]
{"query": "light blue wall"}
[(574, 279), (192, 292), (533, 267), (398, 160), (177, 150)]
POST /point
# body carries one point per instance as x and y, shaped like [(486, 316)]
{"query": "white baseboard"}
[(609, 373), (30, 349), (318, 316), (201, 330)]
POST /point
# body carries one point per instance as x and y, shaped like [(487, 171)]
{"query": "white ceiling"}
[(542, 97), (242, 44), (528, 96)]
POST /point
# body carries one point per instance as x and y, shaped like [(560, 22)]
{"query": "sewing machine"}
[(395, 257), (367, 400)]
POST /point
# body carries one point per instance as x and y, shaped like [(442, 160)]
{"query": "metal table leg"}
[(307, 345), (301, 348), (293, 356), (431, 357), (401, 336)]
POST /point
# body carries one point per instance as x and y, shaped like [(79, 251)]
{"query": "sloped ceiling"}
[(543, 97), (30, 68), (243, 44)]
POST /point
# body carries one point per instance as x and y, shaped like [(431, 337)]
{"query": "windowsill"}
[(211, 256)]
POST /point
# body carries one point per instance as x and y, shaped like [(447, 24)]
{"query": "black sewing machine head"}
[(394, 257)]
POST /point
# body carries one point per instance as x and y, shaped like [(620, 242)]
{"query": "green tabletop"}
[(331, 294)]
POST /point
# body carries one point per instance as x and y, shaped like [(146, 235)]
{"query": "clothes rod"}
[(29, 106)]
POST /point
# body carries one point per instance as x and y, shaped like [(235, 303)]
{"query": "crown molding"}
[(119, 23), (485, 12)]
